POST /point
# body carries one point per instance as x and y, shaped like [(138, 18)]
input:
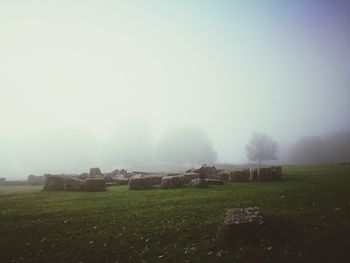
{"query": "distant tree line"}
[(331, 148)]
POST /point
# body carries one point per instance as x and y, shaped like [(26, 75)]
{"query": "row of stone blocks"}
[(168, 182), (65, 183), (271, 173)]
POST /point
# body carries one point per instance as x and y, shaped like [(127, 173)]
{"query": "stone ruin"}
[(94, 184), (54, 183), (140, 183), (70, 183), (199, 183), (36, 179), (95, 172), (248, 215), (200, 177), (240, 176), (268, 173), (172, 181)]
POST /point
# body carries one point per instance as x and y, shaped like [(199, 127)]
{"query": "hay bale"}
[(94, 185), (74, 184), (95, 172), (188, 177), (140, 183), (214, 182), (199, 183), (266, 174), (172, 182), (240, 176), (54, 183), (253, 174)]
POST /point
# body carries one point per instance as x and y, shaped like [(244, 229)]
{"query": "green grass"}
[(307, 219)]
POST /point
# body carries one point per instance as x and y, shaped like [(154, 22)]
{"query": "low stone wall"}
[(140, 183), (240, 176), (74, 184), (172, 181), (188, 177), (64, 183), (267, 174), (199, 183), (54, 183), (94, 185)]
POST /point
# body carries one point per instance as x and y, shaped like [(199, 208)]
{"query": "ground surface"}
[(307, 219)]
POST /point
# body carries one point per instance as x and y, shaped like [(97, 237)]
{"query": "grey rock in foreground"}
[(248, 215)]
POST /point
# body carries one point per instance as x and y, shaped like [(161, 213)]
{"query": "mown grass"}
[(307, 219)]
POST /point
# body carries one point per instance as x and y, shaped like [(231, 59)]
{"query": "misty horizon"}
[(87, 84)]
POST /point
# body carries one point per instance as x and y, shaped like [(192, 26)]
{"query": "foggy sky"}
[(76, 75)]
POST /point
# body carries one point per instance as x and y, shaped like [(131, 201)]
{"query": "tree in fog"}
[(186, 146), (261, 147)]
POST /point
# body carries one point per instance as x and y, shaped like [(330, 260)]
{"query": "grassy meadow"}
[(307, 219)]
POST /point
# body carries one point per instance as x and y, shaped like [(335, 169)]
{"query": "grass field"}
[(307, 219)]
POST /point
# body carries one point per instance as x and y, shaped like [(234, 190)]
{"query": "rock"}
[(266, 174), (224, 176), (199, 183), (188, 177), (95, 172), (172, 181), (115, 172), (83, 176), (156, 179), (108, 177), (74, 184), (120, 180), (119, 172), (205, 171), (248, 215), (253, 172), (94, 184), (214, 182), (240, 176), (54, 183), (277, 170), (140, 183), (36, 179)]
